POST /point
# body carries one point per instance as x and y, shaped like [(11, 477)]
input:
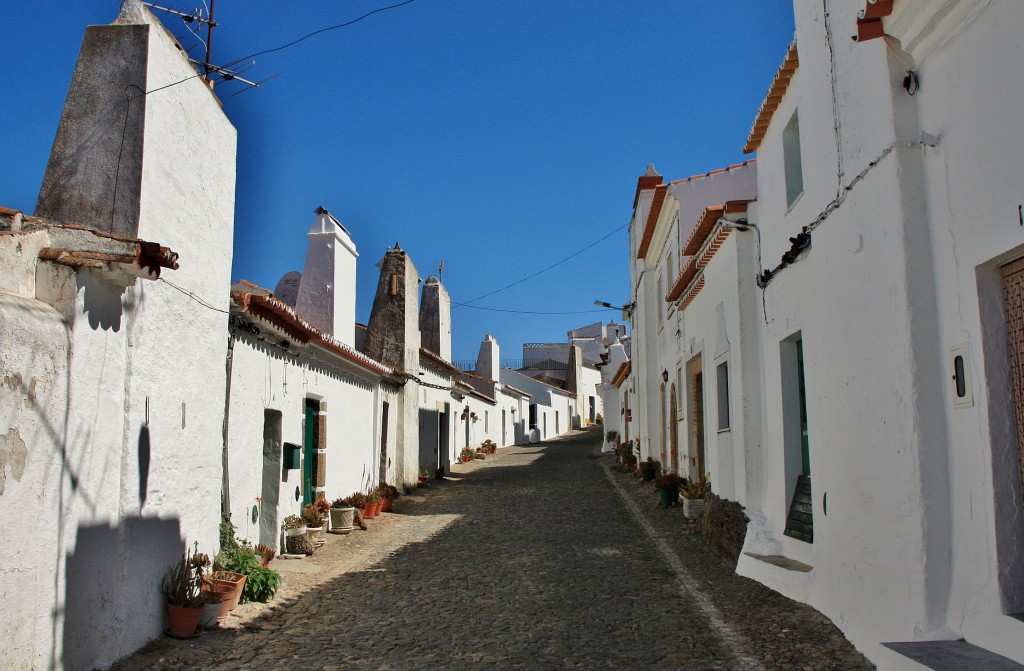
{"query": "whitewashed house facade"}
[(875, 435), (666, 362), (110, 424)]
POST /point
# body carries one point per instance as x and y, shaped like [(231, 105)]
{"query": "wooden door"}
[(1013, 297)]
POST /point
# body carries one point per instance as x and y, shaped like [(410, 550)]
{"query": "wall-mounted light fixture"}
[(627, 309), (664, 376)]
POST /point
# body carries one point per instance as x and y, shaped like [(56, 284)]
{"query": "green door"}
[(309, 443)]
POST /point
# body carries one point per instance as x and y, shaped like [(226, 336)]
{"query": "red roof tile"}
[(772, 100)]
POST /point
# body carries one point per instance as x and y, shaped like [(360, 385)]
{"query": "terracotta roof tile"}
[(438, 361), (708, 218), (772, 100), (689, 270), (261, 303), (652, 220), (869, 20)]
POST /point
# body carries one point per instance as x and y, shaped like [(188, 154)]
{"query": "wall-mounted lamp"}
[(664, 376), (627, 309)]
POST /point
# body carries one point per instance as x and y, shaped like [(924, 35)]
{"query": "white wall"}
[(266, 379)]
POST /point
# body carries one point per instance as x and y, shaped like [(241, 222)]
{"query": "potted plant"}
[(315, 516), (466, 455), (693, 496), (230, 569), (342, 513), (388, 495), (266, 554), (423, 477), (372, 505), (649, 469), (488, 447), (182, 590), (668, 488)]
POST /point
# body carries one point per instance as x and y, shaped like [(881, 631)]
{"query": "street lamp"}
[(627, 309)]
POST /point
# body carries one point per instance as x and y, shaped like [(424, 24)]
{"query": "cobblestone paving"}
[(528, 560)]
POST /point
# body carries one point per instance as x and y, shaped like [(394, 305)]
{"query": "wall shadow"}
[(112, 600), (101, 301)]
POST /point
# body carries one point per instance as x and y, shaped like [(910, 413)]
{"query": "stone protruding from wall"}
[(487, 361), (574, 369), (94, 175), (327, 290), (436, 319), (392, 335)]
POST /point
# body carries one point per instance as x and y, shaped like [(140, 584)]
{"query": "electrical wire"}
[(317, 32), (534, 312), (541, 271), (193, 296)]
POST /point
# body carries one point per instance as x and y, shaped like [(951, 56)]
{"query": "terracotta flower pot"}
[(182, 622), (222, 593), (234, 580), (385, 505)]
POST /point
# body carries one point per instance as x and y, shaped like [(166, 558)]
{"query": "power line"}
[(531, 312), (317, 32), (543, 270), (193, 296)]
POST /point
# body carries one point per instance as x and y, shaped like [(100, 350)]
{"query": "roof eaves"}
[(772, 100), (652, 220)]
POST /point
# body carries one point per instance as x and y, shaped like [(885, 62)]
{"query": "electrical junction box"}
[(292, 456)]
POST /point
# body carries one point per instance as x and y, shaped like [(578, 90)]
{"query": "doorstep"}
[(953, 656)]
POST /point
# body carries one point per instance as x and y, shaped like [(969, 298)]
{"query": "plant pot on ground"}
[(315, 516), (668, 485), (693, 493), (182, 590), (388, 495), (649, 469), (342, 514)]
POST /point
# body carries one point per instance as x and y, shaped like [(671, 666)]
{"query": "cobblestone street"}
[(530, 559)]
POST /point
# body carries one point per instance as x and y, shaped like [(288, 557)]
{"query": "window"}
[(669, 270), (723, 396), (533, 415), (793, 163)]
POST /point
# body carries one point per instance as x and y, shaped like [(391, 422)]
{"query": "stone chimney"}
[(392, 335), (574, 369), (143, 148), (327, 290), (487, 361), (436, 319)]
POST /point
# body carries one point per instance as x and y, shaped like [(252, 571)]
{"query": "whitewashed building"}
[(307, 416), (873, 368), (667, 366), (112, 315)]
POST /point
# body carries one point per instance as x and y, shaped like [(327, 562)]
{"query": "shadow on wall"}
[(101, 301), (112, 600)]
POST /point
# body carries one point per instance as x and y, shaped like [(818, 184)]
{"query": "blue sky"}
[(499, 136)]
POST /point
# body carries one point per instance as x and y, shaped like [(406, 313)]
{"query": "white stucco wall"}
[(913, 545), (124, 454), (267, 379)]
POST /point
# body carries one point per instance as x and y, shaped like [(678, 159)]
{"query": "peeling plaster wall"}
[(124, 447), (34, 388)]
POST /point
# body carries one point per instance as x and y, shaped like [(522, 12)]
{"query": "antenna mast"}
[(210, 25)]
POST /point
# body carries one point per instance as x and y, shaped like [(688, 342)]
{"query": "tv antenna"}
[(441, 267), (206, 19)]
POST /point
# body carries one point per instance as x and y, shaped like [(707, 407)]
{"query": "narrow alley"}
[(532, 559)]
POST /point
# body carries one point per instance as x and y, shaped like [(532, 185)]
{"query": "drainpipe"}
[(225, 490)]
